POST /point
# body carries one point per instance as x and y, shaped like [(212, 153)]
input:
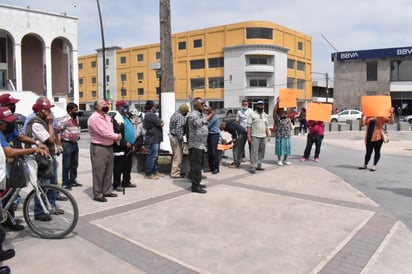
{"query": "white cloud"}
[(348, 25)]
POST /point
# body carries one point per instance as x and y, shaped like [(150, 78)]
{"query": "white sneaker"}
[(279, 163), (287, 163)]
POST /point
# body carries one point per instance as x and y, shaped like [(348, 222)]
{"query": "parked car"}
[(349, 114), (83, 119), (408, 119), (227, 114)]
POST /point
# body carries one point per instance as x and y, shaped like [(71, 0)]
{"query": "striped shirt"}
[(69, 129)]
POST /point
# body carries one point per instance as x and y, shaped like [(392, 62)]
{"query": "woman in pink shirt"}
[(315, 136)]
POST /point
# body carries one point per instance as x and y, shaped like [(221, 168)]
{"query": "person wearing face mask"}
[(123, 150), (241, 118), (69, 130), (177, 130), (102, 137), (257, 134)]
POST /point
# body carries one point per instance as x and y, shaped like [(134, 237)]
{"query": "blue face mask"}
[(125, 110)]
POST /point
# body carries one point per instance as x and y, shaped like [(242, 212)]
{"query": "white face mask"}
[(244, 108)]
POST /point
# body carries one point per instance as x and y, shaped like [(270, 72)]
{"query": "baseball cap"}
[(260, 102), (40, 105), (121, 103), (7, 98), (6, 115)]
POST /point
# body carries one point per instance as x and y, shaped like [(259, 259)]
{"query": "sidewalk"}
[(290, 219)]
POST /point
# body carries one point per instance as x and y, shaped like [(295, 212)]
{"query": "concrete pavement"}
[(290, 219)]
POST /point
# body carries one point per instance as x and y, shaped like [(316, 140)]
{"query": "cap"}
[(7, 98), (6, 115), (121, 103), (260, 102), (40, 105)]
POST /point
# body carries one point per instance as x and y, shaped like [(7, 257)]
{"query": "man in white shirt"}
[(241, 118)]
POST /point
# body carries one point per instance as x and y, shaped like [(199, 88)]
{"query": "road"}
[(342, 152)]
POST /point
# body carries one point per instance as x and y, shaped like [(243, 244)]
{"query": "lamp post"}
[(103, 50)]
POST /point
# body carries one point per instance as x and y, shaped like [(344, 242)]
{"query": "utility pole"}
[(327, 86), (168, 100), (103, 50)]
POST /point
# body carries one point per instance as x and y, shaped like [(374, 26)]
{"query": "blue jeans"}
[(212, 153), (70, 163), (152, 156)]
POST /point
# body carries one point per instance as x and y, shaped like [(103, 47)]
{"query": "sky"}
[(333, 24)]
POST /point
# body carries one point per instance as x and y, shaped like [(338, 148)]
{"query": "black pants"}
[(376, 147), (196, 164), (122, 165), (313, 139), (212, 153)]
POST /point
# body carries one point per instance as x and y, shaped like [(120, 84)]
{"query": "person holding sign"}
[(315, 136), (373, 137), (283, 126)]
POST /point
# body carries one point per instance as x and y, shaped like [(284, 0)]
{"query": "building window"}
[(94, 94), (107, 78), (301, 66), (140, 91), (197, 64), (158, 55), (123, 77), (157, 91), (301, 84), (291, 83), (300, 46), (93, 64), (216, 62), (401, 70), (80, 66), (259, 33), (3, 50), (123, 60), (258, 83), (81, 94), (197, 43), (94, 80), (216, 82), (80, 81), (197, 83), (140, 58), (291, 64), (372, 71), (140, 76), (107, 61), (182, 45), (258, 60)]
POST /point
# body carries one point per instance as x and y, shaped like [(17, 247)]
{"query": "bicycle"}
[(59, 225)]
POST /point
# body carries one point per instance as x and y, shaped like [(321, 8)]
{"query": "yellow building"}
[(224, 64)]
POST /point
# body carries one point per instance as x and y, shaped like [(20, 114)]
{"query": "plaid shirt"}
[(177, 126), (69, 129)]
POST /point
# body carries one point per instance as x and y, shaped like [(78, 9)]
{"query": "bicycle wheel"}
[(60, 221)]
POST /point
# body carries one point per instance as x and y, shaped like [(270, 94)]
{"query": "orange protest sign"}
[(377, 105), (288, 97), (318, 112), (223, 147)]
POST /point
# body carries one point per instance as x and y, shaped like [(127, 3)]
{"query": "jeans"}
[(313, 139), (302, 125), (152, 156), (70, 163), (212, 153)]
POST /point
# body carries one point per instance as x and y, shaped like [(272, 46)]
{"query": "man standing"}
[(197, 141), (257, 133), (123, 151), (102, 137), (69, 135), (154, 136), (238, 139), (212, 141), (176, 133), (241, 118)]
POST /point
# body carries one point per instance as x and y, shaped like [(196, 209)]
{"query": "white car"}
[(408, 119), (349, 114)]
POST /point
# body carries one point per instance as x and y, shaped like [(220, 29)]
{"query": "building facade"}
[(385, 71), (223, 64), (38, 52)]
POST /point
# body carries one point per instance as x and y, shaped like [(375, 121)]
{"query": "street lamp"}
[(103, 50)]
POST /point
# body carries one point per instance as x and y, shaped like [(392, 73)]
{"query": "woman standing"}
[(283, 127), (373, 138), (302, 121)]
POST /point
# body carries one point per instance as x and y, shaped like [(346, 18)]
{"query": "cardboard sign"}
[(288, 97), (377, 105), (318, 112)]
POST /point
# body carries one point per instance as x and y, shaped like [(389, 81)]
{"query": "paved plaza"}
[(300, 218)]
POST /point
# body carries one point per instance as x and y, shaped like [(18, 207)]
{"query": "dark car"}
[(83, 118)]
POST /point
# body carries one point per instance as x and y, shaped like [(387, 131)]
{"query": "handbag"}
[(385, 136), (19, 173), (45, 167)]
